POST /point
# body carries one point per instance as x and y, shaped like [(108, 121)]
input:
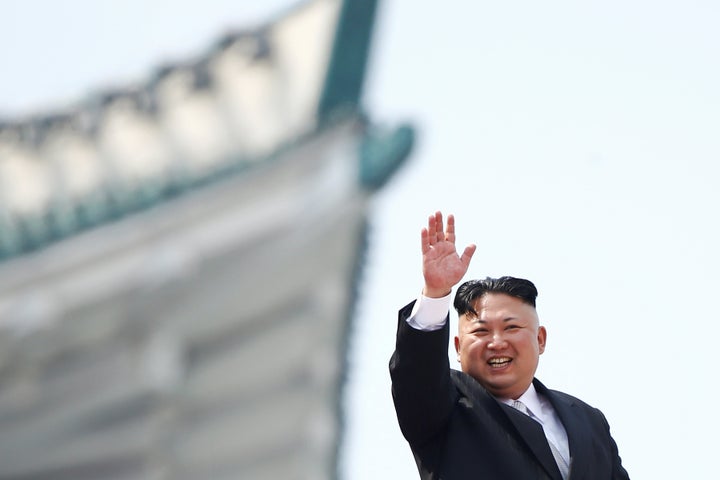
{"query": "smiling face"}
[(501, 346)]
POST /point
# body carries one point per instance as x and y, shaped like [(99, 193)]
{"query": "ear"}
[(457, 347), (542, 338)]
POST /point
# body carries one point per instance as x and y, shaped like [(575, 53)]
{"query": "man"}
[(493, 420)]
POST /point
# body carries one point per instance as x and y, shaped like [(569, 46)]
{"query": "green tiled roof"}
[(339, 99)]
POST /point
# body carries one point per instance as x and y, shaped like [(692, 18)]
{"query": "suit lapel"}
[(576, 427), (533, 435), (522, 427)]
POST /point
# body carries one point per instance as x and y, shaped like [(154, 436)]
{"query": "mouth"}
[(499, 362)]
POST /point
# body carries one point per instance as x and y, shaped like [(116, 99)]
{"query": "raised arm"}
[(443, 268), (419, 367)]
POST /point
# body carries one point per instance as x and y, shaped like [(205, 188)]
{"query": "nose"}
[(497, 341)]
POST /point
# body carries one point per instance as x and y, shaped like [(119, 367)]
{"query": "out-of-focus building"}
[(178, 261)]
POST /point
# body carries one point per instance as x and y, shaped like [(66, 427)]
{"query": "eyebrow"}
[(507, 319)]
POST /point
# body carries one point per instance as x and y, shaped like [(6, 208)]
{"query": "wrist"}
[(434, 292)]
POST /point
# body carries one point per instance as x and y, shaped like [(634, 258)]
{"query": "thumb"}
[(467, 254)]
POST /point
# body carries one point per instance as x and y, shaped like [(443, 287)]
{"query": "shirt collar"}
[(532, 401)]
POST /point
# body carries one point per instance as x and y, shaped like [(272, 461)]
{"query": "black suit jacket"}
[(457, 430)]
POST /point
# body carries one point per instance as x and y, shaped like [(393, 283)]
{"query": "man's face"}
[(501, 347)]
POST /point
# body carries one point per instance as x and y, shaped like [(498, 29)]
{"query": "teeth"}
[(498, 361)]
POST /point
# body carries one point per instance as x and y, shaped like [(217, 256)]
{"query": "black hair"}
[(471, 290)]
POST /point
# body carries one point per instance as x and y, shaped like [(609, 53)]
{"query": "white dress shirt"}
[(543, 412), (430, 314)]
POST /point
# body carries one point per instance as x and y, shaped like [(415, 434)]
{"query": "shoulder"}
[(562, 399), (567, 398), (469, 388), (565, 403), (557, 395)]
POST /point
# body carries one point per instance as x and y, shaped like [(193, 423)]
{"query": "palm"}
[(443, 268), (442, 265)]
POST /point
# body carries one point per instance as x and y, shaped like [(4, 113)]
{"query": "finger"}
[(432, 236), (424, 241), (450, 231), (468, 254), (439, 228)]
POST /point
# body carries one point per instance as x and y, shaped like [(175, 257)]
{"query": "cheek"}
[(528, 345), (471, 346)]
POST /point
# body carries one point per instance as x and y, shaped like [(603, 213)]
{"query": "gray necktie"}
[(562, 465)]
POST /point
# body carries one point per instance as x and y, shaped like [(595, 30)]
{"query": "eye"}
[(480, 331), (512, 327)]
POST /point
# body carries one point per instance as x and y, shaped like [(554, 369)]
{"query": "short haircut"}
[(471, 290)]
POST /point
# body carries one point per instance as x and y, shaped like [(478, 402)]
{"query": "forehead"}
[(491, 306)]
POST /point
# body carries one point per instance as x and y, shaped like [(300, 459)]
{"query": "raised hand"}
[(443, 268)]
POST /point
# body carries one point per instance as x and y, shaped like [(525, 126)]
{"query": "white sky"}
[(576, 142)]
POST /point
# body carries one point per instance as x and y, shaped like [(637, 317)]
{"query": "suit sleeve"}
[(421, 387), (618, 471)]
